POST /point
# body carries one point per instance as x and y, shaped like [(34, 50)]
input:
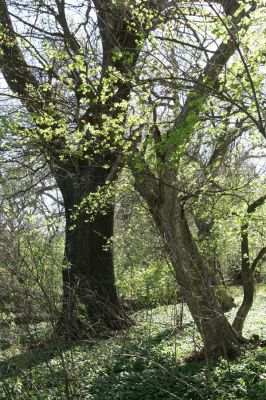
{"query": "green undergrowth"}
[(146, 363)]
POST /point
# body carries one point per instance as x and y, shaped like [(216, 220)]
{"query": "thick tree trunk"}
[(218, 336), (90, 301), (192, 274)]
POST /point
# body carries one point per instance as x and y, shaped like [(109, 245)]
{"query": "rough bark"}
[(218, 335), (89, 276), (90, 301)]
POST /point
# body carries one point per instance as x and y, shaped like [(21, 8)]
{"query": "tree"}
[(72, 87), (98, 85), (74, 82), (159, 183)]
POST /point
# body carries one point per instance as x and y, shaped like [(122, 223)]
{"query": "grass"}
[(145, 363)]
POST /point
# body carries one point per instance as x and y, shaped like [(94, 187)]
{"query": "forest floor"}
[(148, 362)]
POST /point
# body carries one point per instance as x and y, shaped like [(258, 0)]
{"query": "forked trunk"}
[(90, 301)]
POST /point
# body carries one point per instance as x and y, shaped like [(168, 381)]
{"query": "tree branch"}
[(13, 65), (257, 203), (206, 82), (259, 257)]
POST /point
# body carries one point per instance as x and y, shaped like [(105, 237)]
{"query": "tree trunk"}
[(191, 273), (247, 281), (90, 301), (218, 336), (248, 268), (248, 286)]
